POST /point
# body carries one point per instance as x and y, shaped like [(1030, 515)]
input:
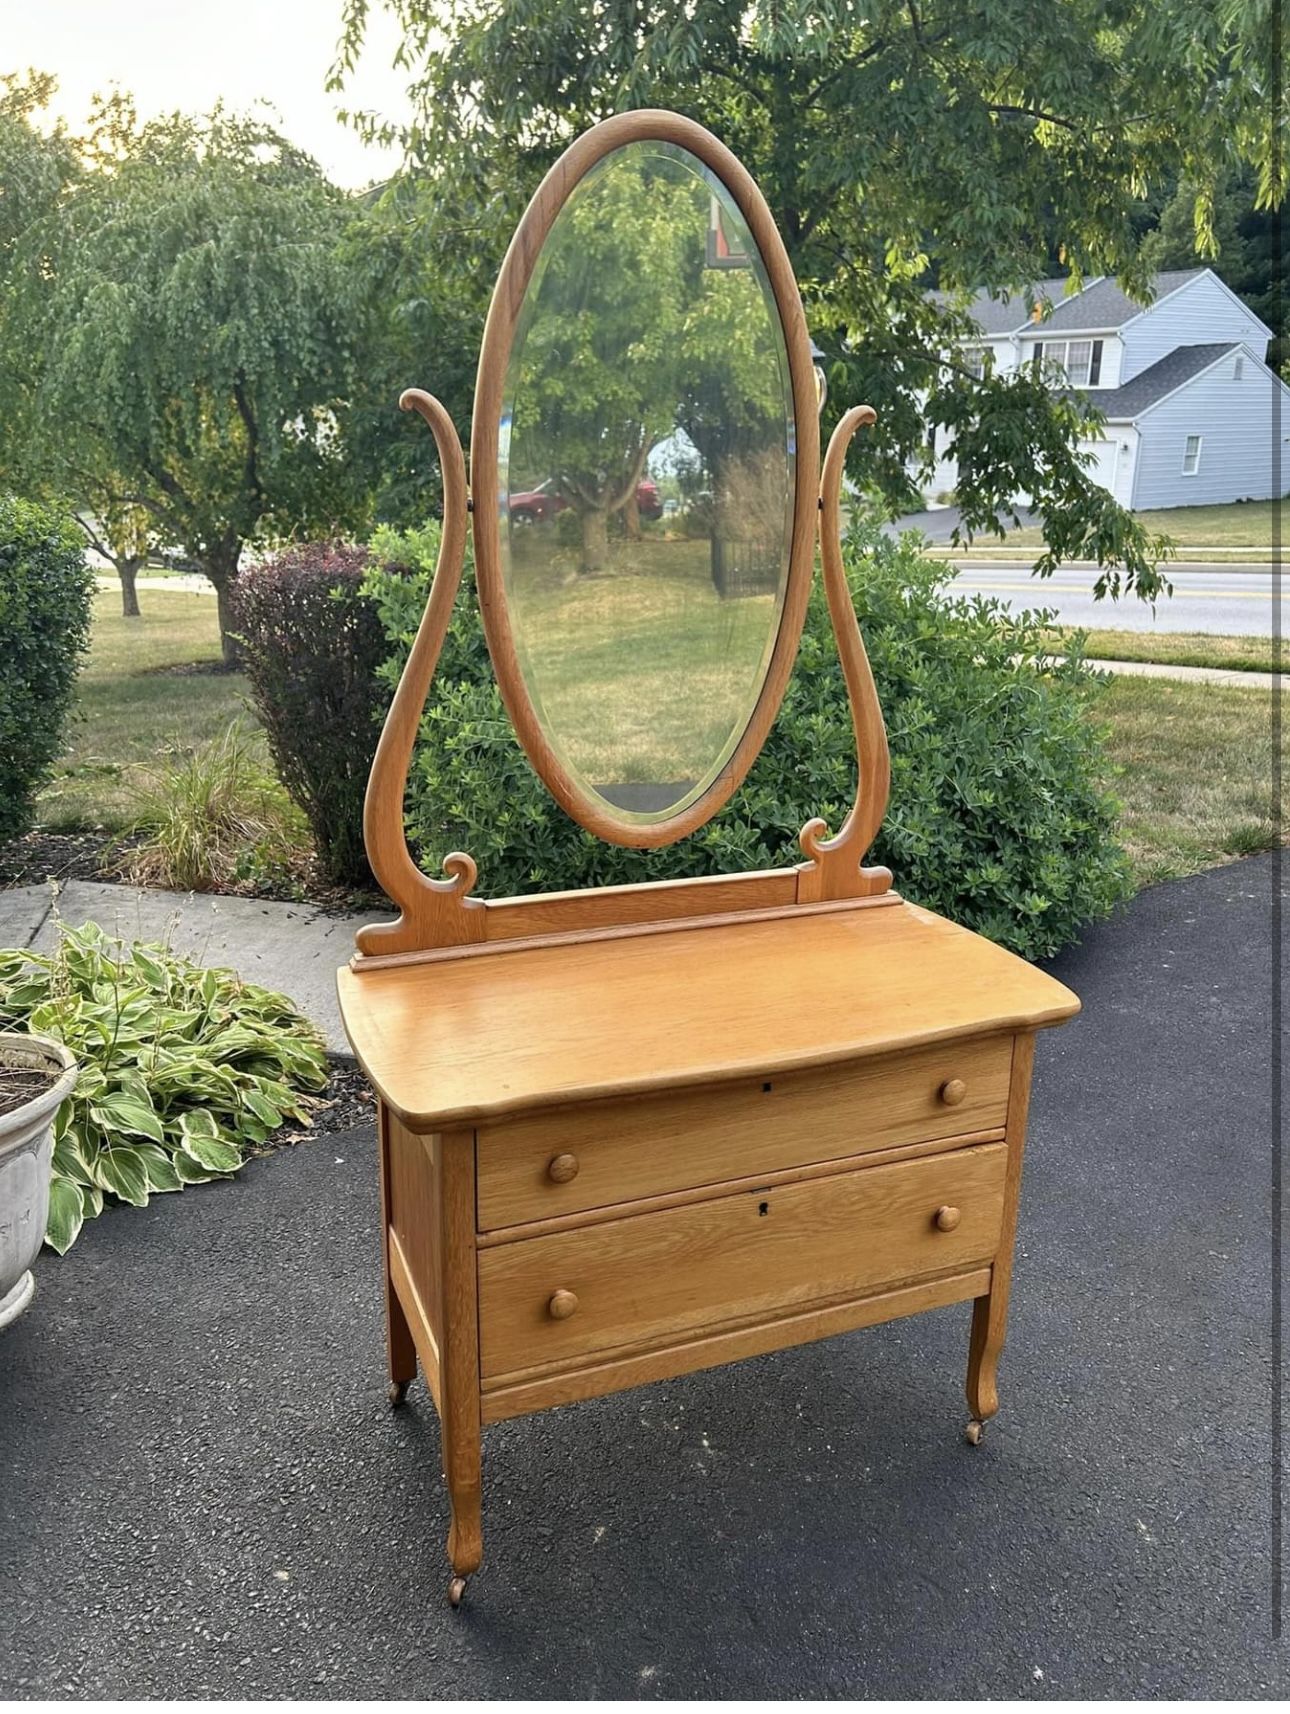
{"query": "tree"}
[(899, 145), (1245, 245), (626, 338), (122, 534), (193, 335)]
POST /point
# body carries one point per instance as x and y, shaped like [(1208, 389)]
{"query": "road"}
[(1215, 599)]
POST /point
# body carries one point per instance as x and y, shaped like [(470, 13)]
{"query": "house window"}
[(1238, 368), (1191, 455), (974, 360), (1073, 362)]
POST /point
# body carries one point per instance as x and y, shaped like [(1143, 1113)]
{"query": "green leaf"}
[(190, 1172), (212, 1152), (198, 1122), (160, 1168), (127, 1113), (122, 1171), (66, 1215), (150, 967), (263, 1109)]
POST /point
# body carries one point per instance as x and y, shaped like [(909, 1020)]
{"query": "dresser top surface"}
[(451, 1042)]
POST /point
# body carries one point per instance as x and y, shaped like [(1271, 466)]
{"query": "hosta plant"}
[(183, 1070)]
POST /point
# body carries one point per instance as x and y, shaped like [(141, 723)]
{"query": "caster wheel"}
[(398, 1391), (456, 1589), (973, 1432)]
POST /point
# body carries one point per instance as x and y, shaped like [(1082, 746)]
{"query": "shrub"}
[(312, 644), (182, 1070), (209, 818), (45, 590), (999, 817)]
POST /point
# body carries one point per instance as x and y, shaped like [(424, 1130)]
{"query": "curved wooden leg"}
[(465, 1495), (990, 1313), (989, 1324)]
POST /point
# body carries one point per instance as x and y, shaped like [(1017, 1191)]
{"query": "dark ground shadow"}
[(203, 1493)]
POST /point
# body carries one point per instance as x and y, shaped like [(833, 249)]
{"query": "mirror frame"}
[(645, 125)]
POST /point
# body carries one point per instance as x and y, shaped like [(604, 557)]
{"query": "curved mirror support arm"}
[(431, 913), (836, 868)]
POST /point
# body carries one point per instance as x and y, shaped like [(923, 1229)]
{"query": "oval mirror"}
[(639, 551)]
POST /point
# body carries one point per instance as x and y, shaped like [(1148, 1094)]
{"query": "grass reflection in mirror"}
[(645, 671)]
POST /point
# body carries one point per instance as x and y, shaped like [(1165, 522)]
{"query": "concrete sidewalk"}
[(295, 949), (1194, 675)]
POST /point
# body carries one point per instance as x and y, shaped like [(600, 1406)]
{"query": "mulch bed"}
[(39, 857), (347, 1101)]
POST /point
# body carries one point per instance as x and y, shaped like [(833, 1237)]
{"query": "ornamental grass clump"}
[(207, 820), (183, 1070)]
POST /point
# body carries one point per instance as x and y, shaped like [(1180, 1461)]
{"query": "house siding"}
[(1114, 461), (1200, 313), (1238, 454)]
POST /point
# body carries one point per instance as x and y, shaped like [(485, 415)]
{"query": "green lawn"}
[(1245, 525), (645, 674), (130, 709), (1198, 771), (1181, 648), (1197, 759)]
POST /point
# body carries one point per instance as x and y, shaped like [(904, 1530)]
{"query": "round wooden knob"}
[(953, 1091), (563, 1169), (947, 1218), (562, 1305)]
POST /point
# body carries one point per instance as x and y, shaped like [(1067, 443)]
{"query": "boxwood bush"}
[(999, 815), (312, 644), (45, 591)]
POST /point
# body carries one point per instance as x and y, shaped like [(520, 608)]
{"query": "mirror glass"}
[(646, 479)]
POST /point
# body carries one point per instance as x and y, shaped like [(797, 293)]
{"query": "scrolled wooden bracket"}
[(836, 870), (431, 913)]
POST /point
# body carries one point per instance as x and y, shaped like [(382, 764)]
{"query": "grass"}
[(1178, 648), (1196, 760), (1241, 532), (131, 709), (645, 675), (1198, 773)]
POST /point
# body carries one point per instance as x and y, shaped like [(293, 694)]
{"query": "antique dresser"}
[(629, 1132)]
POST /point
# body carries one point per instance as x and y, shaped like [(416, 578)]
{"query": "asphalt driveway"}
[(203, 1494)]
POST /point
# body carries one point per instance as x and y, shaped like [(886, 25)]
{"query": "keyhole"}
[(765, 1088), (763, 1208)]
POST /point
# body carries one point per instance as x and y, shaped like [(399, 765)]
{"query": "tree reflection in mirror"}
[(646, 474)]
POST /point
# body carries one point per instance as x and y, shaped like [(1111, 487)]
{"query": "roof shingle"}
[(1103, 305), (1119, 404)]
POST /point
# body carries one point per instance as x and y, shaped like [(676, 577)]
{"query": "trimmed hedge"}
[(313, 644), (45, 593), (999, 815)]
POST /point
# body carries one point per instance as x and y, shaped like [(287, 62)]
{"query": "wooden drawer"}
[(619, 1151), (747, 1256)]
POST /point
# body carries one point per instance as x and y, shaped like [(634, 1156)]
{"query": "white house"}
[(1193, 413)]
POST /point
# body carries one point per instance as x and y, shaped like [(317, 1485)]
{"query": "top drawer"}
[(607, 1152)]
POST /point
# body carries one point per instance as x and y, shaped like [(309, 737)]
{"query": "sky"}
[(188, 54)]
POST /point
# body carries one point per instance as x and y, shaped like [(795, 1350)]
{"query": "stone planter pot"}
[(26, 1151)]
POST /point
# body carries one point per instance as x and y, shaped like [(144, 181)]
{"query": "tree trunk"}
[(632, 516), (127, 570), (595, 542), (223, 574)]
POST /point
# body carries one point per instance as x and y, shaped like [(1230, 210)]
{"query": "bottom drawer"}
[(635, 1281)]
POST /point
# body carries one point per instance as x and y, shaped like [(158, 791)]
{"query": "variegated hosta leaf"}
[(181, 1068)]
